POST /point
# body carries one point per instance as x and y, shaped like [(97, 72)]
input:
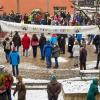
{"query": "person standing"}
[(83, 58), (14, 58), (47, 52), (42, 42), (25, 44), (76, 53), (53, 88), (17, 40), (70, 45), (8, 83), (93, 90), (96, 42), (55, 54), (34, 44), (7, 47), (20, 88), (98, 58)]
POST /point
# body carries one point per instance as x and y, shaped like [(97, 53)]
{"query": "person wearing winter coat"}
[(78, 36), (76, 53), (70, 45), (20, 88), (93, 90), (42, 42), (53, 88), (47, 52), (7, 47), (25, 44), (61, 42), (98, 58), (34, 44), (96, 42), (54, 39), (55, 54), (14, 58), (83, 58), (3, 93), (16, 40)]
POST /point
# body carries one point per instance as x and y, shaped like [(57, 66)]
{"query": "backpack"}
[(7, 46)]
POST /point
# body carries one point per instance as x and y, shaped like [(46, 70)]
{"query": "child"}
[(20, 88)]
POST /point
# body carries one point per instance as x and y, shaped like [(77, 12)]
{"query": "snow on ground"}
[(36, 95), (60, 60), (70, 87), (89, 65)]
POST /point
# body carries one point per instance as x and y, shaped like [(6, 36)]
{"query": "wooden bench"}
[(82, 72)]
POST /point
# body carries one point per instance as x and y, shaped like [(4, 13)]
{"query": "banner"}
[(21, 27)]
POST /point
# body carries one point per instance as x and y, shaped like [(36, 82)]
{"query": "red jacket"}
[(26, 41)]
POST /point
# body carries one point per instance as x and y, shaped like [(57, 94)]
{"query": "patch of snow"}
[(60, 60), (37, 95), (71, 87)]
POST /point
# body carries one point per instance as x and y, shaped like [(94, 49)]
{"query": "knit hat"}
[(53, 78)]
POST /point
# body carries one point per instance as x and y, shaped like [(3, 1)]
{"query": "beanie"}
[(53, 78)]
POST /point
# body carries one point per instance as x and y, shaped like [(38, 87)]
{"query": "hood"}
[(95, 81), (54, 35), (25, 35)]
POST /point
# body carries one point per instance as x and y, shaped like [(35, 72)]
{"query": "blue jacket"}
[(54, 40), (47, 51), (14, 58), (79, 36)]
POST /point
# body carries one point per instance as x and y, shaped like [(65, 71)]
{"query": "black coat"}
[(70, 43), (16, 40), (42, 41)]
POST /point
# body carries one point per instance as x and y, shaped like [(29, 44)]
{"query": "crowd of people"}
[(52, 47), (60, 18)]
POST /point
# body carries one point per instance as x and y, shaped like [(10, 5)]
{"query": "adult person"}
[(53, 88), (47, 52), (83, 58), (96, 42), (70, 45), (55, 54), (7, 47), (34, 44), (54, 39), (76, 53), (20, 88), (78, 36), (16, 40), (98, 58), (93, 90), (25, 44), (3, 93), (42, 42), (8, 83), (14, 58)]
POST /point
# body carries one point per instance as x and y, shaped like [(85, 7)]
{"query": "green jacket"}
[(93, 90)]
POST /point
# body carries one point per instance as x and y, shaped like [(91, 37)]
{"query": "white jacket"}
[(76, 50)]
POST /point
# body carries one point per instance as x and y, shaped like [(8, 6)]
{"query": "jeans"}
[(34, 51), (13, 70), (9, 94), (3, 96), (48, 62), (7, 56), (41, 50), (97, 62), (25, 52), (53, 98), (56, 62)]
